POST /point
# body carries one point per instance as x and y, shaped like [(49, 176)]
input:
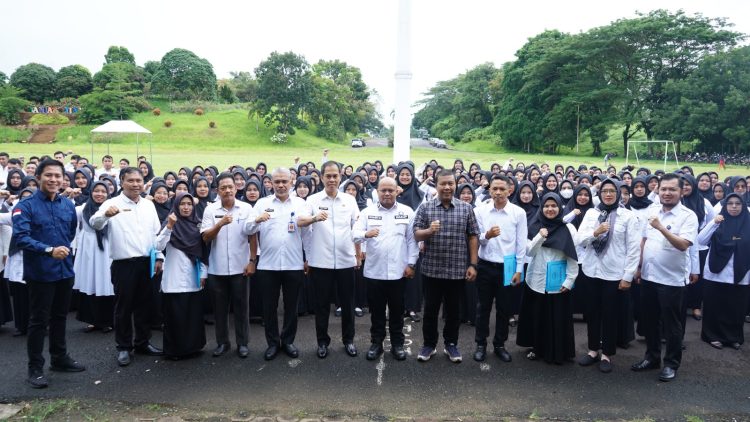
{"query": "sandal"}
[(716, 345)]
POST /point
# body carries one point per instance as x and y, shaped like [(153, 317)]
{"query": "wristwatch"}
[(48, 250)]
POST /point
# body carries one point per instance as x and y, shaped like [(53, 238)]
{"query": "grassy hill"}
[(238, 139)]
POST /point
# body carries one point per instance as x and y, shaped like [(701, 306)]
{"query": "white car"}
[(357, 143), (439, 143)]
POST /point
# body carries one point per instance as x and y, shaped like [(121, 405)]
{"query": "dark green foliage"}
[(73, 81), (226, 94), (117, 54), (284, 87), (184, 76), (120, 76), (10, 108), (102, 106), (245, 86), (36, 80), (3, 79)]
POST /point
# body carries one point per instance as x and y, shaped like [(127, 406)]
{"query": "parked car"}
[(357, 143), (439, 143)]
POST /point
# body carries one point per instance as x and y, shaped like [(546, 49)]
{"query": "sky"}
[(447, 37)]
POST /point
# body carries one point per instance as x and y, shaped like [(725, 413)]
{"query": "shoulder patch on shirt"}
[(16, 212)]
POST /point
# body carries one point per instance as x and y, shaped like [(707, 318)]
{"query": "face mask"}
[(566, 193)]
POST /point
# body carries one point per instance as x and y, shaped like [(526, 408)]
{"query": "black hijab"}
[(532, 207), (731, 238), (361, 192), (706, 194), (188, 173), (545, 190), (640, 202), (573, 205), (411, 195), (307, 181), (162, 210), (86, 190), (558, 236), (186, 235), (723, 188), (15, 190), (90, 209), (203, 201), (252, 181), (361, 201), (471, 189), (732, 182), (695, 200), (373, 185), (147, 178)]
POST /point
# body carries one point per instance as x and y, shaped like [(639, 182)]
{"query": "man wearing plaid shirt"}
[(449, 230)]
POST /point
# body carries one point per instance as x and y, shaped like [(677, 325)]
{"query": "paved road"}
[(712, 383), (383, 142)]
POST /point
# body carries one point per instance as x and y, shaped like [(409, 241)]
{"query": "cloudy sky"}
[(448, 37)]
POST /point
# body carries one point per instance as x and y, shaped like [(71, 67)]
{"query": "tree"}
[(3, 79), (73, 81), (183, 75), (244, 85), (120, 76), (226, 94), (11, 105), (36, 80), (284, 86), (711, 105), (150, 69), (117, 54)]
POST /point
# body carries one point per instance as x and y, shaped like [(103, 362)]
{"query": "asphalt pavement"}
[(712, 384)]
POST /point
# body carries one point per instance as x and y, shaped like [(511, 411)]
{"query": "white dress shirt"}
[(621, 257), (513, 233), (394, 248), (230, 250), (132, 231), (726, 275), (179, 271), (536, 275), (330, 242), (662, 262), (282, 248)]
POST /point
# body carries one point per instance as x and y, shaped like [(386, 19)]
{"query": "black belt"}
[(490, 263), (136, 259)]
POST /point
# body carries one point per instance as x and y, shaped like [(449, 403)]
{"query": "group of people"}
[(632, 251)]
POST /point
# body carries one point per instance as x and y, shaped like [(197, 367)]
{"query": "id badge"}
[(291, 227)]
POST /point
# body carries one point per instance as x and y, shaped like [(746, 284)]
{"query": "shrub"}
[(49, 119), (198, 111), (138, 103), (10, 109), (167, 123), (212, 124), (156, 111), (279, 138), (207, 106)]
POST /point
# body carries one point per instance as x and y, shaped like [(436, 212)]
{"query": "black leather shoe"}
[(291, 350), (736, 346), (243, 351), (503, 354), (123, 358), (376, 349), (351, 349), (481, 353), (37, 380), (322, 351), (667, 374), (398, 352), (645, 365), (150, 350), (221, 349), (605, 366), (271, 352), (588, 360), (66, 364)]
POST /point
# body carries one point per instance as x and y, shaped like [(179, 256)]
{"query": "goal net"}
[(661, 149)]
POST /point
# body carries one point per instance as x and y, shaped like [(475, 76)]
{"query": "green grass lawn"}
[(235, 140)]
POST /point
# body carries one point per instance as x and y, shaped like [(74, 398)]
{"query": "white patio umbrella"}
[(123, 126)]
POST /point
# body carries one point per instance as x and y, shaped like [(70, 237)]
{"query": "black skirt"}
[(724, 312), (6, 312), (98, 311), (546, 325), (184, 333)]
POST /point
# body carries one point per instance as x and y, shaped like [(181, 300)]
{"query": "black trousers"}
[(601, 306), (382, 294), (271, 284), (490, 289), (231, 289), (49, 303), (414, 290), (133, 301), (327, 282), (20, 293), (436, 292), (662, 304)]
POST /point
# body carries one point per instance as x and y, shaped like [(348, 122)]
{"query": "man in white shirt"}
[(502, 237), (4, 157), (107, 168), (331, 256), (282, 266), (392, 254), (611, 237), (132, 229), (224, 226), (664, 273)]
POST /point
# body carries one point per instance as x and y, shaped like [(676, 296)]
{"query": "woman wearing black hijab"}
[(184, 276), (202, 192), (527, 199), (252, 191), (467, 309), (303, 188), (546, 320), (147, 171), (692, 199), (361, 196), (160, 197), (726, 291), (720, 192), (550, 184), (82, 181), (91, 266), (704, 187), (411, 195), (575, 210), (14, 180)]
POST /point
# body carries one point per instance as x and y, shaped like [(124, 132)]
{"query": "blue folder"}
[(152, 262), (509, 269), (198, 273), (556, 272)]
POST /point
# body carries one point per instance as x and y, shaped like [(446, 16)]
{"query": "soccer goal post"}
[(664, 144)]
